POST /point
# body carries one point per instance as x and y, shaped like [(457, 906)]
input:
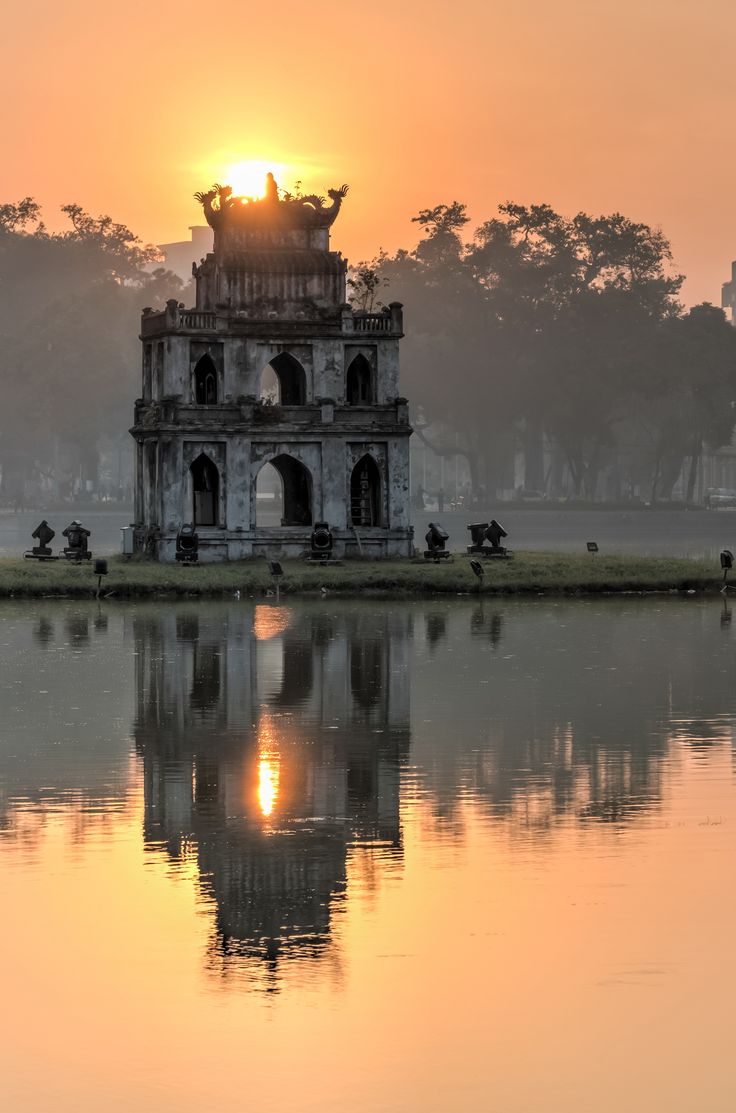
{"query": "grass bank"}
[(526, 573)]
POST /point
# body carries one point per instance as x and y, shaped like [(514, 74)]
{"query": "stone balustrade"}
[(176, 319)]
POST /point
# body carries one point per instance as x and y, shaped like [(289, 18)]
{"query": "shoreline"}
[(527, 573)]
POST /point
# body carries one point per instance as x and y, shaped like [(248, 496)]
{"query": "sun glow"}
[(248, 179)]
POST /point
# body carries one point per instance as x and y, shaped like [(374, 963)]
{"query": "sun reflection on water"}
[(268, 783)]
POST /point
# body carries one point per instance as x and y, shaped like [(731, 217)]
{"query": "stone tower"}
[(271, 311)]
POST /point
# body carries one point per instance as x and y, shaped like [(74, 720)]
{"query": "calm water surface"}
[(324, 856)]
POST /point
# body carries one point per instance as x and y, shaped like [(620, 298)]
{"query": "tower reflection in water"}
[(272, 741)]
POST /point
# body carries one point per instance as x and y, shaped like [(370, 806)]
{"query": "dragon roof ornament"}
[(277, 210)]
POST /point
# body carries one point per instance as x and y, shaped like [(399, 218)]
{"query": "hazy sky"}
[(625, 105)]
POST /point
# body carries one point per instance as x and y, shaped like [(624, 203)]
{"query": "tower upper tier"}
[(271, 254)]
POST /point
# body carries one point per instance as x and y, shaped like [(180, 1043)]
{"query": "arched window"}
[(205, 381), (365, 493), (296, 490), (269, 497), (205, 491), (359, 382), (292, 380)]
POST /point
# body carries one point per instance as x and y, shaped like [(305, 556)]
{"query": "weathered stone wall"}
[(265, 294)]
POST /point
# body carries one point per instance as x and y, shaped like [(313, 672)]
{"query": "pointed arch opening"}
[(365, 493), (359, 382), (269, 497), (205, 381), (205, 491), (296, 491), (286, 376)]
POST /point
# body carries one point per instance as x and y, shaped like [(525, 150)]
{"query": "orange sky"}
[(620, 104)]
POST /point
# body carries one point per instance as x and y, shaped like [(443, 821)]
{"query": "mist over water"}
[(467, 853)]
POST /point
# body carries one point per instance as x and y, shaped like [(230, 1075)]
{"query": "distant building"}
[(179, 257)]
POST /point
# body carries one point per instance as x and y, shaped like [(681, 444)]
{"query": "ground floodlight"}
[(477, 536), (43, 534), (321, 540), (436, 537), (495, 533), (187, 545), (76, 547), (592, 546)]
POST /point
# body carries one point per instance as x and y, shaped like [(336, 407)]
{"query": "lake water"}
[(451, 855)]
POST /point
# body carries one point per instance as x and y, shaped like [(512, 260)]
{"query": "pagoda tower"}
[(272, 366)]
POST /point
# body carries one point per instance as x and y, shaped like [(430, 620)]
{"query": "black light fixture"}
[(187, 545), (477, 536), (76, 547), (494, 534), (43, 534), (592, 546), (321, 541), (435, 538)]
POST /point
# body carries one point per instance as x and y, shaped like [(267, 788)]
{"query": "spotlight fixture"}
[(435, 538), (187, 545)]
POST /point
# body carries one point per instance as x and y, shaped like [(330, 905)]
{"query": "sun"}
[(248, 178)]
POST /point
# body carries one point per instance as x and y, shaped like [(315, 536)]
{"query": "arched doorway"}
[(291, 380), (359, 382), (205, 381), (365, 493), (269, 497), (205, 491), (296, 491)]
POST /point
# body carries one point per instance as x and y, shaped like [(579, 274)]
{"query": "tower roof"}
[(278, 220)]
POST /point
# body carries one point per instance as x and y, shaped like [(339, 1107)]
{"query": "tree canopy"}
[(69, 312), (568, 328)]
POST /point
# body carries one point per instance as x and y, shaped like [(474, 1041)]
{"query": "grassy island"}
[(526, 573)]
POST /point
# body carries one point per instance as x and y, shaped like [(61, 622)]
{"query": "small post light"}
[(274, 567), (478, 569), (187, 545), (100, 570), (726, 564), (592, 546)]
